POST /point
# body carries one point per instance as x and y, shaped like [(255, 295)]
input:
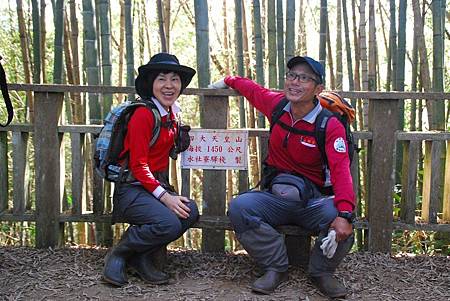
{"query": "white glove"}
[(220, 84), (329, 244)]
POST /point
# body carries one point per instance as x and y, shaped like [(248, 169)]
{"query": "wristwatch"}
[(347, 215)]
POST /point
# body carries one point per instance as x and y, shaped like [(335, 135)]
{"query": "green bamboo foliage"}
[(240, 57), (129, 45), (280, 43), (271, 43), (339, 45), (438, 63), (323, 31), (259, 64), (36, 42), (348, 49), (290, 29), (90, 60), (59, 39), (105, 38)]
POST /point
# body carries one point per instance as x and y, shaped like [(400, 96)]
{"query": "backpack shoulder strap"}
[(277, 112), (4, 88), (320, 131), (157, 117)]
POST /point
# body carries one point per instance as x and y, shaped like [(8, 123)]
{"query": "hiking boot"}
[(329, 286), (268, 282), (114, 271), (142, 265)]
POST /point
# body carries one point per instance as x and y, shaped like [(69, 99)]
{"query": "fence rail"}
[(48, 208)]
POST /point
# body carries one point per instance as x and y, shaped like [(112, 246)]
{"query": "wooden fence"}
[(43, 206)]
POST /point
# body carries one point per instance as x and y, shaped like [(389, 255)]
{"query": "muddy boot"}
[(114, 270), (268, 282), (142, 265), (329, 286)]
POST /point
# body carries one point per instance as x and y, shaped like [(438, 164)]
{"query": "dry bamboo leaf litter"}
[(75, 274)]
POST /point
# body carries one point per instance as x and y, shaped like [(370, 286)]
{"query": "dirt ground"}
[(75, 274)]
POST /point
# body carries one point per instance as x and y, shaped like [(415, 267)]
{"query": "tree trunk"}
[(105, 38), (59, 36), (372, 85), (129, 46), (271, 43), (302, 48), (25, 58), (259, 63), (339, 45), (323, 32), (36, 43), (78, 109), (348, 49), (392, 63), (438, 112), (330, 60), (280, 44), (121, 46), (162, 34), (43, 45)]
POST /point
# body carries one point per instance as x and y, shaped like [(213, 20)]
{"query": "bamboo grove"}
[(373, 45)]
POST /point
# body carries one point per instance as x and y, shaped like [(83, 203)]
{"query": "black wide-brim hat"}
[(161, 62)]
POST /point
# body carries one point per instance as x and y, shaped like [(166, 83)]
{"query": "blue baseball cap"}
[(315, 65)]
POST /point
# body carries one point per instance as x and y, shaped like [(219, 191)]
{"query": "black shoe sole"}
[(158, 282), (261, 291), (110, 281)]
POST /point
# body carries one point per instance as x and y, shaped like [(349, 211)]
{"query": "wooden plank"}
[(29, 128), (382, 174), (420, 136), (446, 199), (186, 182), (431, 183), (3, 171), (375, 95), (354, 169), (20, 171), (214, 182), (47, 147), (80, 128), (78, 173), (409, 181)]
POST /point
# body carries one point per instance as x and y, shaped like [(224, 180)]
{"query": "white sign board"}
[(216, 149)]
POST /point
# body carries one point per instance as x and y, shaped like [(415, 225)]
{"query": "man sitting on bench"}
[(293, 188)]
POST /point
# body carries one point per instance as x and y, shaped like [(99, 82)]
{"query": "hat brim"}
[(144, 89)]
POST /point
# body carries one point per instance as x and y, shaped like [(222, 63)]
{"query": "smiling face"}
[(304, 87), (167, 88)]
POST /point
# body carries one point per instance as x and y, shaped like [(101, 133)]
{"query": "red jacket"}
[(301, 155), (144, 160)]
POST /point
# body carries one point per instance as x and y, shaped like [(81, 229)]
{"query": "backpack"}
[(333, 105), (110, 141)]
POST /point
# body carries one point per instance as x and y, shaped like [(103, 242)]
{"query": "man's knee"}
[(193, 214), (169, 228), (241, 214)]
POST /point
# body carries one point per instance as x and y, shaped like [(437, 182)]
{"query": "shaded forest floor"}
[(75, 274)]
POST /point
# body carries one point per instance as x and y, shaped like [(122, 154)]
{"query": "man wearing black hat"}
[(156, 214), (293, 192)]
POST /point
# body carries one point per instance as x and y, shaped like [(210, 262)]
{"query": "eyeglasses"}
[(303, 78)]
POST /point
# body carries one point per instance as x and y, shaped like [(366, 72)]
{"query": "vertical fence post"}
[(47, 145), (214, 181), (3, 171), (383, 117)]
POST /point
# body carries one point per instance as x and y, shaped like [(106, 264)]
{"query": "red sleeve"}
[(339, 163), (263, 99), (140, 128)]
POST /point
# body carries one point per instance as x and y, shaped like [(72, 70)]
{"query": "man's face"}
[(301, 84)]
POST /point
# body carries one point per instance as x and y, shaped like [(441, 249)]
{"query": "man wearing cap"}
[(156, 213), (254, 214)]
